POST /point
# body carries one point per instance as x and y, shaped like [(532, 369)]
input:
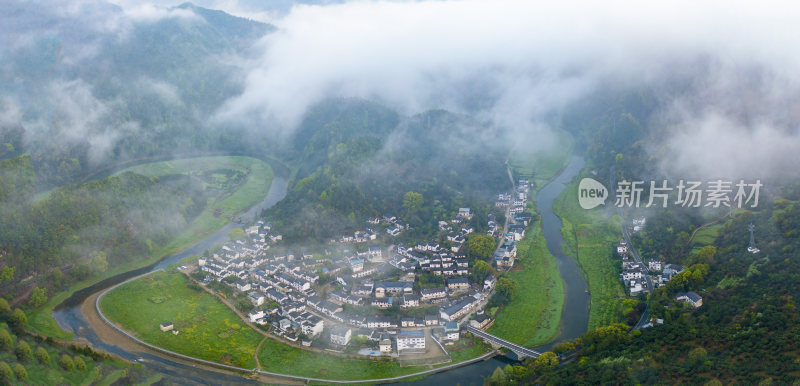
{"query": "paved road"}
[(626, 235)]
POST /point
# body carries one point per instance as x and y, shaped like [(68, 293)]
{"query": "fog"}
[(514, 65), (528, 61)]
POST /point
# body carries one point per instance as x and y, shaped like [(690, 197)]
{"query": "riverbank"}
[(591, 237), (260, 178)]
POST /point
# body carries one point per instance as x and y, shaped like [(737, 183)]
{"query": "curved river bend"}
[(69, 316), (574, 316)]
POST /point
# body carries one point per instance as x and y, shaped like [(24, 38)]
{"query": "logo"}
[(591, 193)]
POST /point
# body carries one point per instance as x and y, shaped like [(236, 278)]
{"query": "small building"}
[(411, 340), (166, 326), (451, 331), (458, 283), (489, 282), (341, 335), (622, 247), (410, 300), (385, 345), (690, 297), (433, 293), (654, 265), (480, 321), (431, 320)]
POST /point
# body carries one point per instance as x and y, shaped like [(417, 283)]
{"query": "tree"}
[(547, 361), (57, 278), (7, 273), (237, 234), (79, 363), (412, 201), (23, 351), (20, 372), (98, 261), (5, 340), (38, 297), (6, 374), (563, 347), (507, 287), (66, 362), (244, 305), (516, 373), (42, 355), (706, 254), (18, 319), (480, 246), (697, 355), (498, 377), (5, 309), (480, 271)]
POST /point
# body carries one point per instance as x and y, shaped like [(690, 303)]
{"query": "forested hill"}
[(358, 159), (92, 85), (747, 329)]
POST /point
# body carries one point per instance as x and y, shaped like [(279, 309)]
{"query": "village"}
[(638, 277), (365, 291)]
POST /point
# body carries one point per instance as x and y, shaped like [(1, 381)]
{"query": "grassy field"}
[(534, 316), (208, 329), (591, 237), (543, 165), (705, 236), (249, 193), (278, 357)]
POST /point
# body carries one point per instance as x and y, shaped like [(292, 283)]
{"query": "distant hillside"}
[(98, 86)]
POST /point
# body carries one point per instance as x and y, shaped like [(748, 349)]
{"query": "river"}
[(69, 316), (574, 316)]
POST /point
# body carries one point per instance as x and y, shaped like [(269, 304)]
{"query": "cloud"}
[(521, 61), (77, 117)]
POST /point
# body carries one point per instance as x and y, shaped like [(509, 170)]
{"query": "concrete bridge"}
[(522, 352)]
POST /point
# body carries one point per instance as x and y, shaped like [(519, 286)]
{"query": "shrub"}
[(5, 340), (20, 372), (79, 363), (66, 362), (23, 351), (42, 355), (6, 374)]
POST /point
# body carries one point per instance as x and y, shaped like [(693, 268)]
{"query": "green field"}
[(591, 237), (705, 236), (534, 316), (208, 329), (231, 202), (243, 196), (281, 358), (541, 166)]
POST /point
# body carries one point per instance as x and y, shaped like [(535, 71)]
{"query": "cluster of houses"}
[(280, 286), (634, 275), (395, 226), (514, 203)]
